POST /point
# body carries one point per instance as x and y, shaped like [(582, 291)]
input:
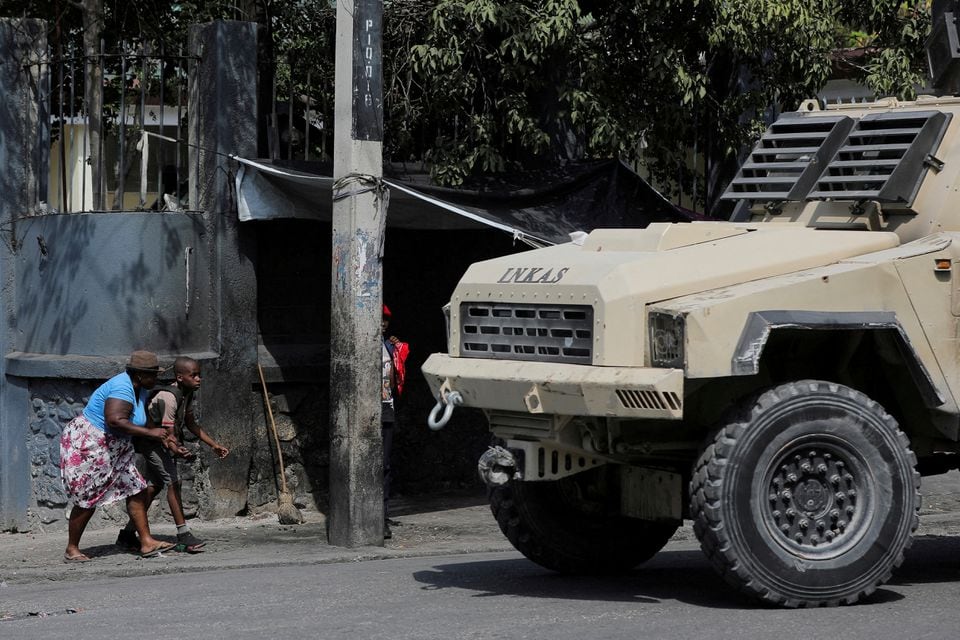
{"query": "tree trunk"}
[(92, 11)]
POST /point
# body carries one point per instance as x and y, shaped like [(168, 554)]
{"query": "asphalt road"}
[(262, 580), (487, 595)]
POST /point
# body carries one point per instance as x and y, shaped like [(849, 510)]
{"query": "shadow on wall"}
[(105, 283), (51, 298), (183, 327)]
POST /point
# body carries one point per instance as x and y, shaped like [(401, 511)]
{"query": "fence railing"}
[(118, 125), (299, 120)]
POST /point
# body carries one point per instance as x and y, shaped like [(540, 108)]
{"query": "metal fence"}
[(300, 115), (118, 124)]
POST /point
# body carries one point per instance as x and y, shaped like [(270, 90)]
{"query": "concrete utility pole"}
[(359, 213)]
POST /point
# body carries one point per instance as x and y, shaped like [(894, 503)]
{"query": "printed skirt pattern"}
[(97, 467)]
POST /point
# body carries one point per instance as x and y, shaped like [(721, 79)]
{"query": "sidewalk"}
[(430, 526), (441, 525)]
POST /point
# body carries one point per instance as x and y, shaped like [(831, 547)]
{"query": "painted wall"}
[(88, 290), (104, 284), (24, 139)]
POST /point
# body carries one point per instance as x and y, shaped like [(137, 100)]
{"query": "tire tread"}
[(709, 474)]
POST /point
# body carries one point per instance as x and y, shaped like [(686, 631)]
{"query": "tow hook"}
[(446, 402), (497, 466)]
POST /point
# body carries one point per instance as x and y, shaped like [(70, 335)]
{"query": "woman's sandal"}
[(155, 552), (79, 557)]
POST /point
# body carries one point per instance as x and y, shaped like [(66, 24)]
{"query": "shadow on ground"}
[(681, 575)]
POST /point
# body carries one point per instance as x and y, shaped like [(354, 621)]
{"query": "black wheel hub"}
[(813, 500)]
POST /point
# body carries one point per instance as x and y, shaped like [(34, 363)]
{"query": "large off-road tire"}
[(554, 525), (808, 496)]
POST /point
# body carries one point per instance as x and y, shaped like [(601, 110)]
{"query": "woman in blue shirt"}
[(97, 458)]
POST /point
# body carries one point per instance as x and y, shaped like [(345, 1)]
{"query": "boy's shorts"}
[(160, 468)]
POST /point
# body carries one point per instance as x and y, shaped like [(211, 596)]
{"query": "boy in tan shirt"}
[(172, 406)]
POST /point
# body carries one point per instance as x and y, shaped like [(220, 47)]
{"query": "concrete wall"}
[(223, 112), (78, 292), (24, 140), (103, 284), (88, 290)]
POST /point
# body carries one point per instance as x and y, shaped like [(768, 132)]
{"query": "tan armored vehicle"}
[(783, 380)]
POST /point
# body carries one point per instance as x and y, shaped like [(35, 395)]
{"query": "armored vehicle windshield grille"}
[(883, 158), (786, 162), (542, 332)]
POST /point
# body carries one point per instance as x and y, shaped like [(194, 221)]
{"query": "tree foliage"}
[(677, 86), (647, 80)]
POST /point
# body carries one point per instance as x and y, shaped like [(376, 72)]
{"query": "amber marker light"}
[(942, 264)]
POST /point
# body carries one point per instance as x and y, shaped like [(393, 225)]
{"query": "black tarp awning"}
[(582, 197)]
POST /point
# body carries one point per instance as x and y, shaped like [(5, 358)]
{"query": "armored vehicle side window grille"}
[(542, 332), (883, 158), (786, 162)]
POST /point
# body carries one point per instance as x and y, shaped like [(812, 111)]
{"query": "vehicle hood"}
[(666, 260)]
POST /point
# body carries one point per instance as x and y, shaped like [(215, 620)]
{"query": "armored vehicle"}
[(783, 379)]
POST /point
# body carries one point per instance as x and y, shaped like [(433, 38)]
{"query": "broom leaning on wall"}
[(287, 512)]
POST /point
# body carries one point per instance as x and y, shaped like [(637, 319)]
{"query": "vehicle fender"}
[(760, 325)]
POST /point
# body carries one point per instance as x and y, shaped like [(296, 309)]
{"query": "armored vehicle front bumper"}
[(558, 389)]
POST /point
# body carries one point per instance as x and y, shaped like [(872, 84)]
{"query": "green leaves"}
[(485, 68), (675, 86), (487, 85), (648, 80)]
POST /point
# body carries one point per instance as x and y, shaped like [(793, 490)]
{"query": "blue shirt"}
[(120, 387)]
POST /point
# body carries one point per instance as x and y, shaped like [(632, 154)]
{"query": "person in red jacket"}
[(393, 359)]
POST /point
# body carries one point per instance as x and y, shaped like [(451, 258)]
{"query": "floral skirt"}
[(97, 467)]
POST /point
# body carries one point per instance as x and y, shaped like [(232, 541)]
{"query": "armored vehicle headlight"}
[(666, 340)]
